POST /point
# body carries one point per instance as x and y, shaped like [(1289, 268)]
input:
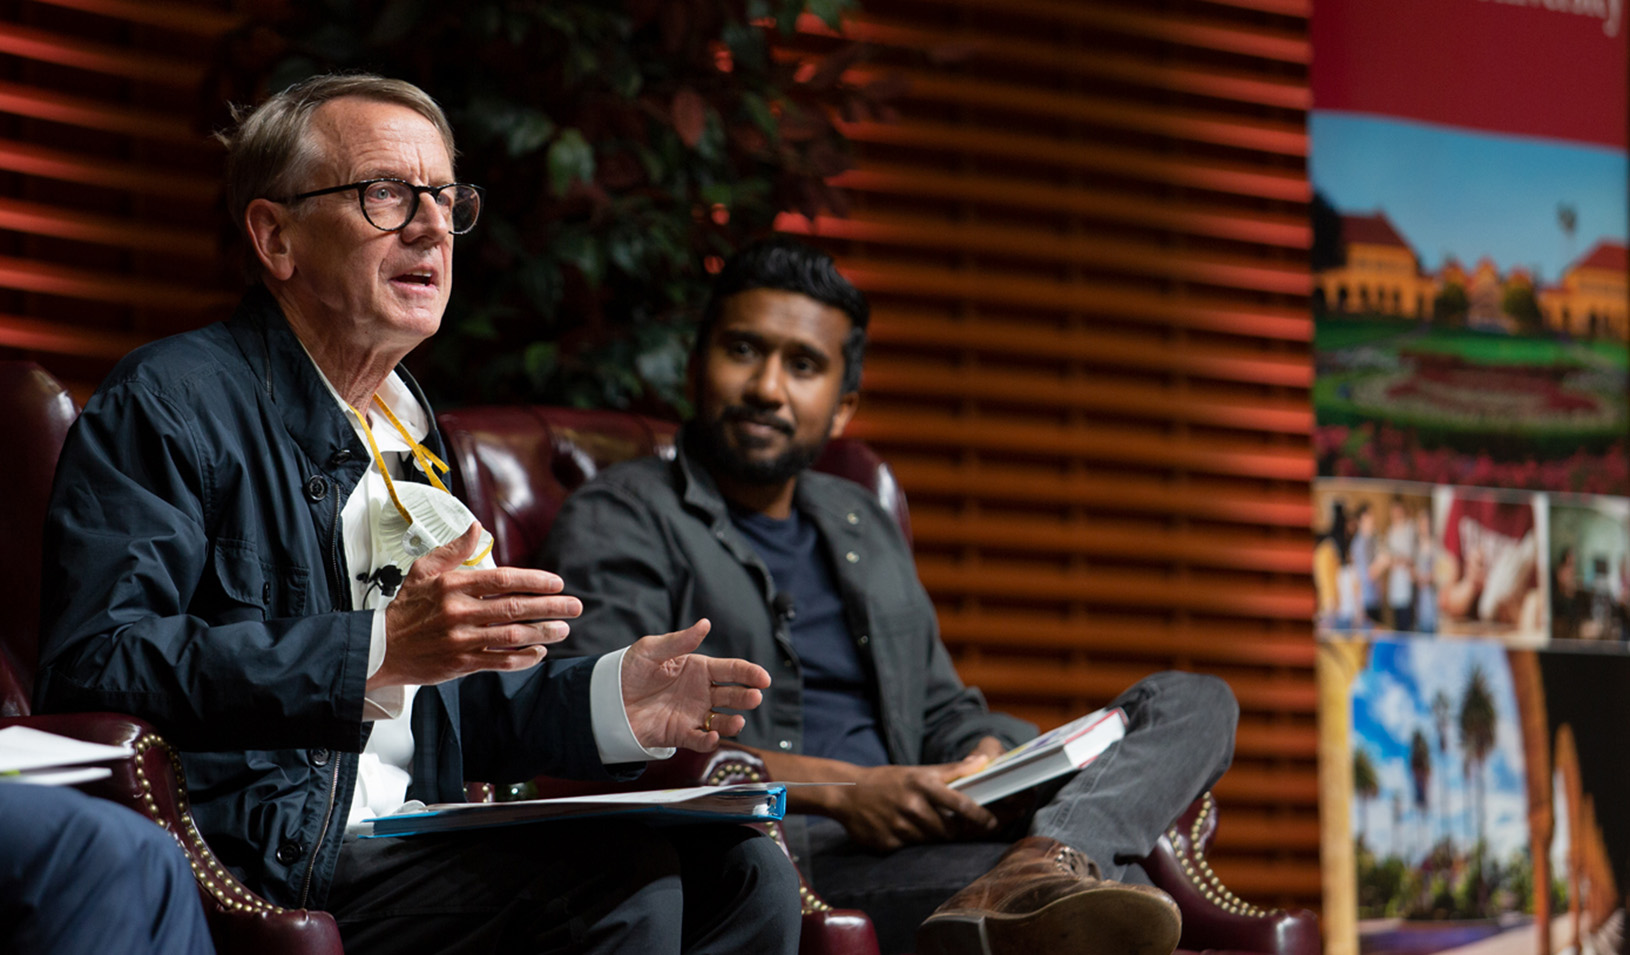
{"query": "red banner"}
[(1554, 68)]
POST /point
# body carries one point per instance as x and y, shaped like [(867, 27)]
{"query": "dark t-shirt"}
[(840, 718)]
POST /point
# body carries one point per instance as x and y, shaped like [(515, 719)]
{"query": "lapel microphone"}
[(386, 578)]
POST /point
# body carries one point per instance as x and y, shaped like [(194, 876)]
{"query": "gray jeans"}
[(1179, 741)]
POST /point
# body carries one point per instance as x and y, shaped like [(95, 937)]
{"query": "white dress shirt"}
[(384, 772)]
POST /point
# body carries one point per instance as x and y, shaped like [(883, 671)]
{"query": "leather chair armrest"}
[(152, 783), (1214, 918)]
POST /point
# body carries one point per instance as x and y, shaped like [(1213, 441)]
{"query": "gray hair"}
[(270, 150)]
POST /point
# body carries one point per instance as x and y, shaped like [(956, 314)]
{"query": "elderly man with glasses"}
[(250, 545)]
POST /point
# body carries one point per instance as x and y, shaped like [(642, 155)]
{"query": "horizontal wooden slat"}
[(54, 338), (1198, 645), (1204, 33), (1191, 217), (37, 219), (1253, 180), (1030, 484), (1120, 588), (1108, 443), (191, 18), (21, 100), (1255, 786), (35, 276), (1111, 539), (900, 324), (101, 58), (1084, 391), (1199, 312), (981, 47), (1130, 257), (1267, 882), (1105, 681), (31, 160), (1191, 124)]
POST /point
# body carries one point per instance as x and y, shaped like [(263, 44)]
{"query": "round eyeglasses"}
[(390, 204)]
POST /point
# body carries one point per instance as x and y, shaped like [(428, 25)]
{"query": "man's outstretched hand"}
[(668, 690)]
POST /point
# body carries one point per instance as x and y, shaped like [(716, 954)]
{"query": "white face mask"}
[(434, 517), (419, 517)]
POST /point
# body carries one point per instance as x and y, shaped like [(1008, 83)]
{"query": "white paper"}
[(23, 748), (59, 777)]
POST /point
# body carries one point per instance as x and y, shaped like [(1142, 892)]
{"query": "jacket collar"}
[(290, 381), (701, 495)]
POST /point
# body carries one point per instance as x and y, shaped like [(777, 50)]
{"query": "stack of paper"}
[(743, 802), (28, 755)]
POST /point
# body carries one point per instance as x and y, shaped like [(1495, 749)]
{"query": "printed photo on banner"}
[(1590, 569), (1471, 302), (1486, 796), (1375, 558), (1471, 307), (1491, 568)]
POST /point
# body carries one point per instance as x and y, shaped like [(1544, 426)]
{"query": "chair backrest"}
[(35, 413), (514, 466)]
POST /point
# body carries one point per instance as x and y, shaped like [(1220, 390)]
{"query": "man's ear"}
[(847, 406), (265, 222)]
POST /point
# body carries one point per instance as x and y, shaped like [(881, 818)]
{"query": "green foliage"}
[(1450, 306), (1519, 302), (623, 145)]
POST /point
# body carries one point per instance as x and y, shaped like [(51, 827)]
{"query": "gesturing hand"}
[(893, 806), (668, 690), (448, 620)]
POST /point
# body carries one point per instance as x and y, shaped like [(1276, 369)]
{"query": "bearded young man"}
[(225, 557), (807, 575)]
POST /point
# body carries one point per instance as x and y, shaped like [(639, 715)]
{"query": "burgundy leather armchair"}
[(35, 413), (515, 465)]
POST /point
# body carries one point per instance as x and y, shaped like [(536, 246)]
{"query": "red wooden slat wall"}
[(108, 179), (1085, 238)]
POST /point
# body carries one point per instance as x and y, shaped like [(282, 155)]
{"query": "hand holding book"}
[(1053, 753)]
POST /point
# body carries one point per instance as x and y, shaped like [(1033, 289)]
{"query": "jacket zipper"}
[(342, 602)]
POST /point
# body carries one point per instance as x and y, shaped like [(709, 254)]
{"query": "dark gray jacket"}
[(195, 577), (648, 546)]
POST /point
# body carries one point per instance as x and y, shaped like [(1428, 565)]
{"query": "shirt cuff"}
[(385, 703), (613, 736)]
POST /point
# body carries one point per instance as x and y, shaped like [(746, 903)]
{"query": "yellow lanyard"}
[(427, 460)]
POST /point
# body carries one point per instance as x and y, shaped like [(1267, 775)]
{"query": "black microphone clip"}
[(386, 578)]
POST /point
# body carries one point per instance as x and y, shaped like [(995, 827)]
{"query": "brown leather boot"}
[(1045, 898)]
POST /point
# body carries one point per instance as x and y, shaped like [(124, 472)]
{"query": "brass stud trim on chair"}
[(222, 885), (809, 902), (1205, 879)]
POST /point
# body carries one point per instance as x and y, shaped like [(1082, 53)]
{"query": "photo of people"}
[(1375, 557), (1589, 560), (1490, 569)]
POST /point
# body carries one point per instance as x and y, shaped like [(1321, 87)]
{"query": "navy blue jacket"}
[(195, 577)]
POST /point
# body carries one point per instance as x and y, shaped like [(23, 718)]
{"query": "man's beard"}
[(733, 463)]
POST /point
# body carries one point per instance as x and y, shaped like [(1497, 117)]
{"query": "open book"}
[(743, 802), (29, 755), (1053, 753)]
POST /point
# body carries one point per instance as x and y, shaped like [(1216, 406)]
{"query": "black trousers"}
[(568, 886)]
